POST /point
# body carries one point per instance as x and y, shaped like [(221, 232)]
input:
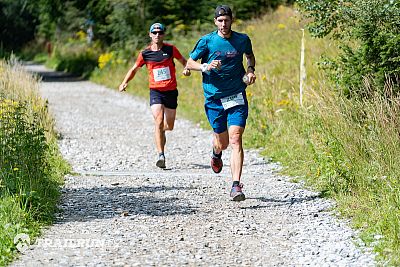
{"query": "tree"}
[(18, 21), (116, 23), (369, 33)]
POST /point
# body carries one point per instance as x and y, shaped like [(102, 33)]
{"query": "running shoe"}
[(216, 164), (161, 162), (237, 194)]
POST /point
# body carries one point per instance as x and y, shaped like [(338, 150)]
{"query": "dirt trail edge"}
[(121, 210)]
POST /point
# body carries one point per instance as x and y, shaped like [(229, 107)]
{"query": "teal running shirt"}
[(227, 80)]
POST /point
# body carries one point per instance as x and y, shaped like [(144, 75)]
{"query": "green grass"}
[(346, 149), (31, 167)]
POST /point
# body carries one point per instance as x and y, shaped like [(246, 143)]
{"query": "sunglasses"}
[(159, 32)]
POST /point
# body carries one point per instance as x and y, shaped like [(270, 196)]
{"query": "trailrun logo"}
[(22, 242), (73, 243)]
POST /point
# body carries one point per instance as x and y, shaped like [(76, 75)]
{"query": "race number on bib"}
[(161, 74), (231, 101)]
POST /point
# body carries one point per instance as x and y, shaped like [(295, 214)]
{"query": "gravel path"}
[(118, 209)]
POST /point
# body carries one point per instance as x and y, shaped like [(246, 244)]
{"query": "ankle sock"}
[(235, 183), (161, 154), (217, 155)]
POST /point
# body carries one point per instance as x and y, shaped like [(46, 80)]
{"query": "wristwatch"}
[(252, 67)]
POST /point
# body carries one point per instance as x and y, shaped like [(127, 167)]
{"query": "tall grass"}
[(31, 168), (348, 149), (356, 149)]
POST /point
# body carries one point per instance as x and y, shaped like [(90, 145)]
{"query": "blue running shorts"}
[(220, 119)]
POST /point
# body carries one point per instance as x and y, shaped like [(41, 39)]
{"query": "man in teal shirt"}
[(224, 83)]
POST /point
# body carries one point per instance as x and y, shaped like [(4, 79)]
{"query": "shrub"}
[(369, 33), (75, 57)]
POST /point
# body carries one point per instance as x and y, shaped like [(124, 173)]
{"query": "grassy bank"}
[(31, 168), (346, 149)]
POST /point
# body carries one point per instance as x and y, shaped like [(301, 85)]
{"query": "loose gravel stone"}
[(119, 209)]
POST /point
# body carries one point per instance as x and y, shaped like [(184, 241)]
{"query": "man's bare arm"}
[(251, 63), (193, 65), (129, 76), (185, 71)]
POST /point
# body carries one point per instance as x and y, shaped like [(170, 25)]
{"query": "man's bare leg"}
[(220, 143), (237, 156), (159, 134)]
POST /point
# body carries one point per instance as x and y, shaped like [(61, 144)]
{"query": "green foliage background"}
[(369, 35), (116, 23)]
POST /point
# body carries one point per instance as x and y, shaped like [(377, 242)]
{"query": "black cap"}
[(223, 10)]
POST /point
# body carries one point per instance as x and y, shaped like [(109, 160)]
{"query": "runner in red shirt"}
[(159, 60)]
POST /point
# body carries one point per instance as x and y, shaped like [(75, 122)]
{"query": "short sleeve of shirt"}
[(249, 48), (176, 53), (199, 50), (140, 61)]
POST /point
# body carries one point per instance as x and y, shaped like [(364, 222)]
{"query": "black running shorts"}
[(168, 98)]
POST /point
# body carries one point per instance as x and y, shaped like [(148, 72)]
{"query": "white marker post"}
[(302, 69)]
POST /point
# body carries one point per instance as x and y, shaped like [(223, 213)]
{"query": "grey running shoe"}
[(161, 162), (237, 194)]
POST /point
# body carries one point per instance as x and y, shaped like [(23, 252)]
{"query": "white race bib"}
[(233, 100), (161, 74)]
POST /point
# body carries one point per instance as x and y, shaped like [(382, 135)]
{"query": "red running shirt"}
[(160, 65)]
